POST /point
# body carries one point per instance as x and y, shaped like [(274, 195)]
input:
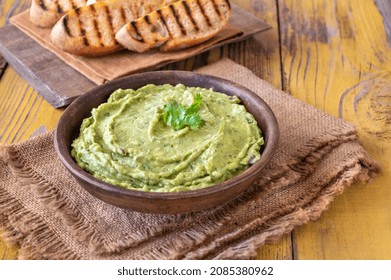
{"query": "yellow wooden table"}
[(334, 55)]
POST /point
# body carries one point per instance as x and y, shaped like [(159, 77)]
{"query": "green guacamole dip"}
[(126, 142)]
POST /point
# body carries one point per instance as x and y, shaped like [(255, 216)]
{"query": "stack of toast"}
[(95, 28)]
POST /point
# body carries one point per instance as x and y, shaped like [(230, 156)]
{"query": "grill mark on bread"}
[(189, 14), (151, 26), (216, 8), (146, 18), (203, 13), (58, 7), (139, 38), (122, 14), (175, 26), (65, 24), (148, 21), (42, 4), (177, 19), (99, 35), (96, 26), (92, 8), (161, 17), (110, 19), (81, 29), (85, 41), (72, 4)]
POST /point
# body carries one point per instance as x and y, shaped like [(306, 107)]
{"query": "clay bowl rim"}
[(81, 103)]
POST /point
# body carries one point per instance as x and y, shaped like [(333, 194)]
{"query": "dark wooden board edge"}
[(2, 64), (50, 80)]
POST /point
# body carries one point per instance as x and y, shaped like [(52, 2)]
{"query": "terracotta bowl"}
[(159, 202)]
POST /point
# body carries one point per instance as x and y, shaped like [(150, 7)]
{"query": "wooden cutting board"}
[(58, 82)]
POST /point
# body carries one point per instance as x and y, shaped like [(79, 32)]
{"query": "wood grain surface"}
[(44, 71), (334, 55)]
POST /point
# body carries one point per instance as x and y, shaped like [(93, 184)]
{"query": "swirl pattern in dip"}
[(126, 142)]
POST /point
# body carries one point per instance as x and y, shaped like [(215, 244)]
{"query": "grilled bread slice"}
[(176, 26), (45, 13), (90, 30)]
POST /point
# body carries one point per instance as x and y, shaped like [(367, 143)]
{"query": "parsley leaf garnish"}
[(178, 116)]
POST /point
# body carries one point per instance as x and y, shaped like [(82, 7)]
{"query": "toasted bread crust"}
[(176, 26), (78, 45), (45, 13), (90, 30)]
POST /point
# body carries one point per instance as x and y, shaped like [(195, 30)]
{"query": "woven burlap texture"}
[(45, 212)]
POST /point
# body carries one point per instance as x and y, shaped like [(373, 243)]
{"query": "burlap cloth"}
[(45, 212)]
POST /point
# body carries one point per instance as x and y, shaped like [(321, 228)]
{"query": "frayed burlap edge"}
[(360, 168), (24, 221), (49, 195), (26, 229), (285, 224), (364, 170)]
